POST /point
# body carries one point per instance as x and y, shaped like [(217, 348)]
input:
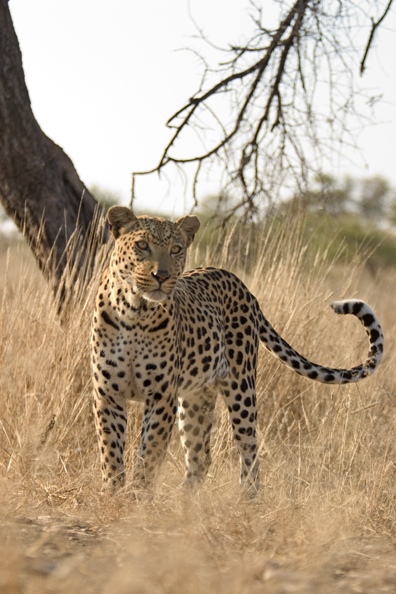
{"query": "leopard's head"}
[(150, 252)]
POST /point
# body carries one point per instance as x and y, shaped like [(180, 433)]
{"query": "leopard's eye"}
[(142, 245), (176, 249)]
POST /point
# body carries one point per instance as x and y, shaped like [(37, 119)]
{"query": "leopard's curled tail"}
[(283, 351)]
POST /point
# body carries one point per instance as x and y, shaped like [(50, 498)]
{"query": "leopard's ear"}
[(188, 227), (120, 219)]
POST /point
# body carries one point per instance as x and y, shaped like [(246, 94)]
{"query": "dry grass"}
[(325, 518)]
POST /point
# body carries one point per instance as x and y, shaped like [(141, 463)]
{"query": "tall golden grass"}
[(324, 520)]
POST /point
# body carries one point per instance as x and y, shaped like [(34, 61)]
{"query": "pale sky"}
[(104, 77)]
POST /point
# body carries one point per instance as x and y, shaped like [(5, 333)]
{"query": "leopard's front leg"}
[(113, 384), (111, 421), (158, 420)]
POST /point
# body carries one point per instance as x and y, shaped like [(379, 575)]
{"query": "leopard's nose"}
[(161, 275)]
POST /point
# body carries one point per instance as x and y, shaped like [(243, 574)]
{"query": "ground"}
[(194, 547)]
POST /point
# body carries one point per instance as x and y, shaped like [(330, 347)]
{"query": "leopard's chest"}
[(153, 356)]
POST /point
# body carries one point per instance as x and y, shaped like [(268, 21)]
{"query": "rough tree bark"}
[(39, 186)]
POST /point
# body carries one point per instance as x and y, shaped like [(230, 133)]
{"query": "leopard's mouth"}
[(157, 295)]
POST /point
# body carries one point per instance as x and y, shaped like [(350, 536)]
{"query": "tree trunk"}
[(39, 186)]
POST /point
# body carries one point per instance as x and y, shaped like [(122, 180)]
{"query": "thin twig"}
[(374, 26)]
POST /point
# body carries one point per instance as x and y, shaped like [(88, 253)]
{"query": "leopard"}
[(174, 341)]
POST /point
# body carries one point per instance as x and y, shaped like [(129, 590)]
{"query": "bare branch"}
[(374, 26), (276, 106)]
